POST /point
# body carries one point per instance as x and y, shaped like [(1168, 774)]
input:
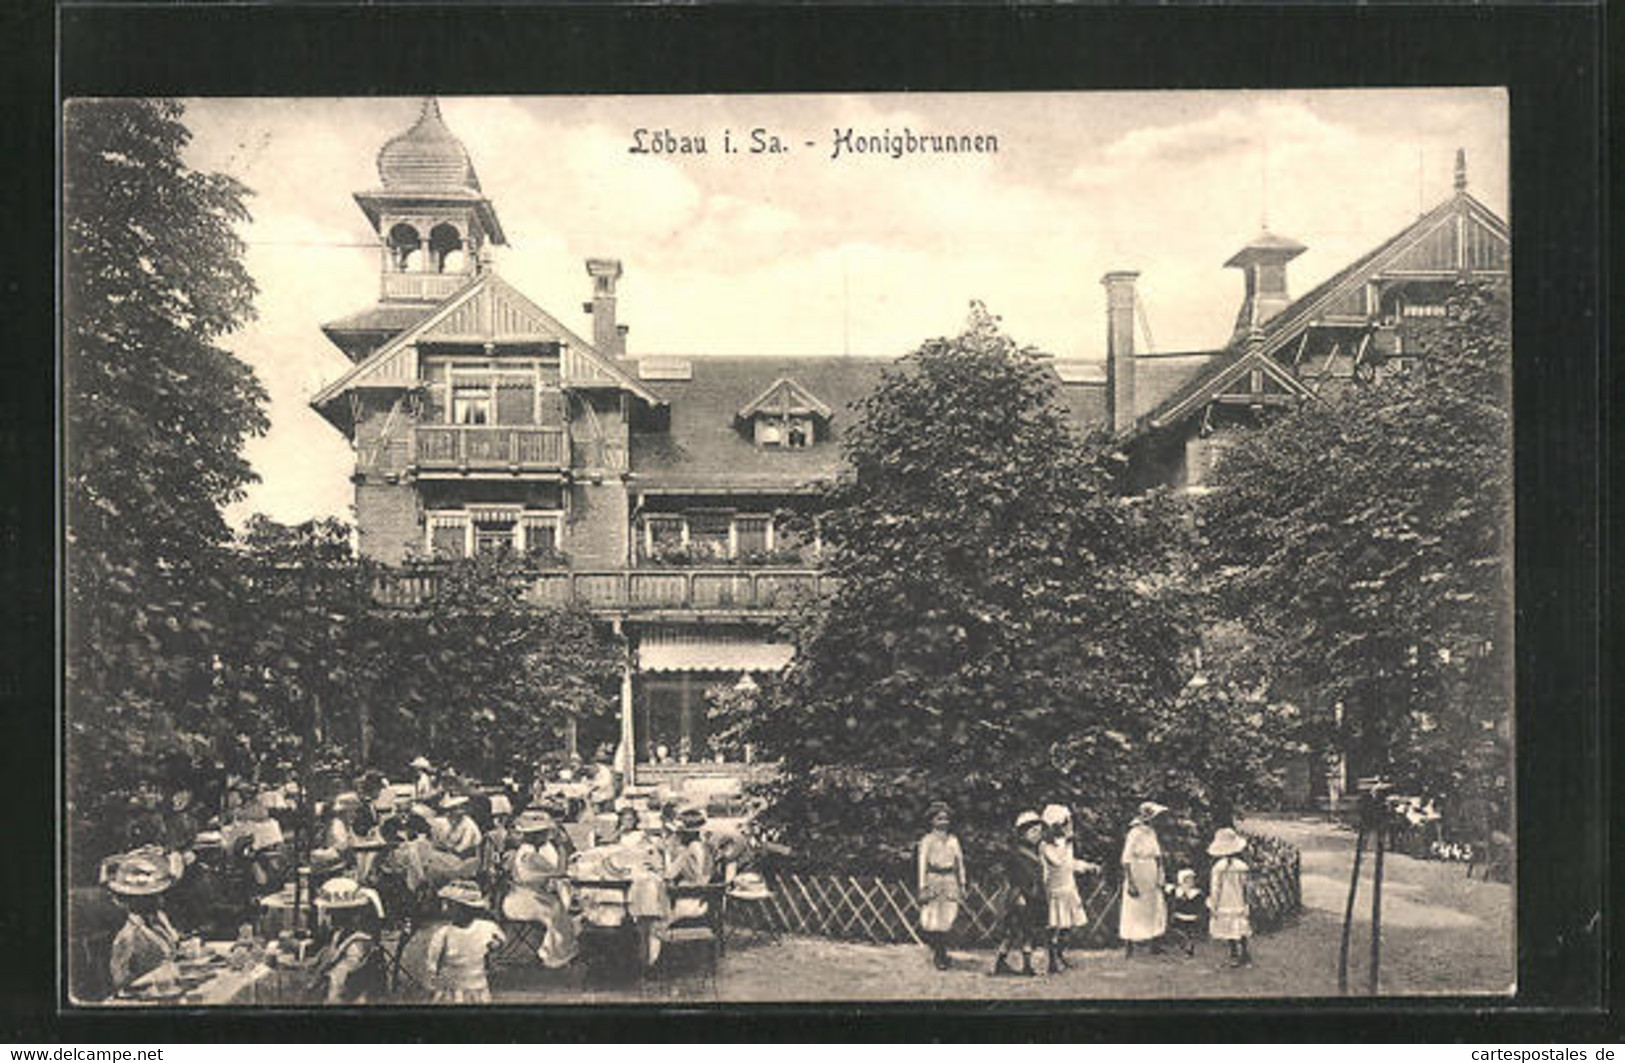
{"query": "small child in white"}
[(1227, 900), (1186, 908)]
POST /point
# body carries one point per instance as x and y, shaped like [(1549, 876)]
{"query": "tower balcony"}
[(468, 450), (423, 287)]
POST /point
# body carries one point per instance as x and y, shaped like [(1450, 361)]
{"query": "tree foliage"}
[(1365, 544), (157, 411), (1004, 629)]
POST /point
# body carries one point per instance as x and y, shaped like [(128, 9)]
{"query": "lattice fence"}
[(885, 910)]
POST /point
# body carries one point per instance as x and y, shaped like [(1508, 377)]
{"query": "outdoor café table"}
[(215, 982)]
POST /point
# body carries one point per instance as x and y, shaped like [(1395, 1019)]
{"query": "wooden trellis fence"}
[(884, 911)]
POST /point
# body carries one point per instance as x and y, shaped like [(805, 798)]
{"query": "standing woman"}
[(1144, 908), (941, 882)]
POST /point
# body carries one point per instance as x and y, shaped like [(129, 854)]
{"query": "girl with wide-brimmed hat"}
[(350, 967), (1027, 910), (941, 880), (1143, 914), (138, 880), (458, 950), (1061, 870), (1229, 911)]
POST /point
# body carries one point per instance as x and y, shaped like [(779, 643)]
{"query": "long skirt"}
[(1144, 918), (559, 941)]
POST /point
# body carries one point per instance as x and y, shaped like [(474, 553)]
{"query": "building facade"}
[(654, 488)]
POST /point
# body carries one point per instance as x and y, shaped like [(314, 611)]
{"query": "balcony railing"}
[(626, 591), (468, 448), (424, 286)]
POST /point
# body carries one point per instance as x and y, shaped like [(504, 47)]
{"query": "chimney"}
[(1263, 263), (1120, 349), (609, 338)]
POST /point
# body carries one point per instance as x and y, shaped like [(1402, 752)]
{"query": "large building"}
[(650, 487)]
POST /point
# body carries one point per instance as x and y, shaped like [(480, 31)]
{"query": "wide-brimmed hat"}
[(1056, 815), (1149, 810), (139, 874), (1027, 819), (749, 886), (346, 893), (1226, 842), (533, 821), (325, 860), (420, 763), (691, 819), (465, 893)]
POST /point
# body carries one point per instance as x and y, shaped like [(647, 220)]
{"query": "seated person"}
[(350, 967), (537, 893), (138, 881)]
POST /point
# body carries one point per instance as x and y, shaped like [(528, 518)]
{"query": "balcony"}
[(631, 592), (470, 449), (424, 287)]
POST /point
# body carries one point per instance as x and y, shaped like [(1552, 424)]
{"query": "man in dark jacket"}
[(1027, 913)]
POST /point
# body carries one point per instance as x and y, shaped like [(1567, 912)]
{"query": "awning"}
[(710, 651)]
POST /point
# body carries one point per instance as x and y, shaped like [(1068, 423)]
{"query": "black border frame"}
[(1550, 57)]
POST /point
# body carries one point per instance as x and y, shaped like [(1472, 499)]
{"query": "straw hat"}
[(1149, 810), (1226, 842), (1056, 815), (749, 886), (465, 893), (138, 874), (346, 894), (1027, 819), (533, 821)]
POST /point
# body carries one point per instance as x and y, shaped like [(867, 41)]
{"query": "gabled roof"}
[(1284, 326), (785, 396), (487, 308), (1203, 389), (701, 447)]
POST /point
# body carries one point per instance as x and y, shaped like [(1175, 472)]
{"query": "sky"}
[(802, 253)]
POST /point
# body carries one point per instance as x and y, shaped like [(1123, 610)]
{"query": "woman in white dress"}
[(1144, 917), (941, 883)]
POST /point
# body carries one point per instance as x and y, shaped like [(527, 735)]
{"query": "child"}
[(1227, 895), (1185, 902), (1061, 870), (458, 949), (1028, 910), (941, 882)]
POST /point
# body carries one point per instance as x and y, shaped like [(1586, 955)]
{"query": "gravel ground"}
[(1442, 933)]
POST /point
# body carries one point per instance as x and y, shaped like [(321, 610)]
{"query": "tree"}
[(1365, 543), (157, 412), (1003, 627)]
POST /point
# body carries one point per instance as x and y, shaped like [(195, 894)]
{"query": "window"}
[(753, 534), (710, 534), (493, 537), (447, 537), (541, 534), (471, 404)]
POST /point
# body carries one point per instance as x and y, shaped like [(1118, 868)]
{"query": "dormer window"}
[(786, 416)]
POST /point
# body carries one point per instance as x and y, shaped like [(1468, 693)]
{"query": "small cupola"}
[(1263, 264)]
